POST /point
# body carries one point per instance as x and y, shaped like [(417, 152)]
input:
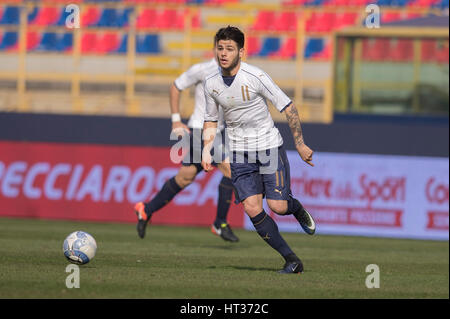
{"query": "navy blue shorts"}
[(195, 148), (265, 172)]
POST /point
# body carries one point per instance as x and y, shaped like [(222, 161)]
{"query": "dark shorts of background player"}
[(248, 180), (195, 148)]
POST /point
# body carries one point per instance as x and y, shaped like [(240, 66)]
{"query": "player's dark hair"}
[(230, 33)]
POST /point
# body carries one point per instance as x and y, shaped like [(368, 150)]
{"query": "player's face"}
[(228, 55)]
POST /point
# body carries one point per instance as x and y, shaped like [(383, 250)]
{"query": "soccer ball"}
[(79, 247)]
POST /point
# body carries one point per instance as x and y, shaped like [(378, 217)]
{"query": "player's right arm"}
[(174, 99), (209, 129), (187, 79)]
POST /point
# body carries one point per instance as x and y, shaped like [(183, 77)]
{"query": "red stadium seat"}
[(390, 17), (47, 16), (167, 19), (146, 19), (423, 3), (88, 42), (253, 45), (321, 22), (195, 19), (325, 54), (107, 43), (90, 16), (345, 19), (286, 21), (264, 20), (288, 50), (33, 40)]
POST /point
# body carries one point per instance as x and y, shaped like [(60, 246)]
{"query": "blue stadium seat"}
[(65, 42), (313, 46), (33, 14), (314, 3), (270, 45), (11, 15), (9, 40), (147, 44), (49, 42), (124, 17), (123, 45), (108, 18)]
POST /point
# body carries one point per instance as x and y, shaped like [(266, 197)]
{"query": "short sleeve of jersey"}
[(211, 108), (192, 76), (272, 92)]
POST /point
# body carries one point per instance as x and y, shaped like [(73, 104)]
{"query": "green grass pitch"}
[(190, 262)]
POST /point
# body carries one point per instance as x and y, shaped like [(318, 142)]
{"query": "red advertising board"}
[(100, 183)]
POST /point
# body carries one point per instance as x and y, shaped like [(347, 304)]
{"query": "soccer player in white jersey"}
[(191, 164), (259, 165)]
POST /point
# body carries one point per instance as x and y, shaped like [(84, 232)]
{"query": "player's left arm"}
[(281, 101), (293, 120)]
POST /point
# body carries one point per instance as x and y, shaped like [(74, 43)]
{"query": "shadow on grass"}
[(245, 268)]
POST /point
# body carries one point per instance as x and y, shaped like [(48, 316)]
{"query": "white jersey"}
[(249, 124), (196, 76)]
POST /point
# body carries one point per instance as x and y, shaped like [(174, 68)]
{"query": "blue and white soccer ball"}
[(79, 247)]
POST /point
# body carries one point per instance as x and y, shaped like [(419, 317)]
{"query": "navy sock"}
[(268, 230), (224, 201), (294, 206), (164, 196)]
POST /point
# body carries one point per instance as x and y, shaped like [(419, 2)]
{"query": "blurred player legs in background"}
[(187, 173)]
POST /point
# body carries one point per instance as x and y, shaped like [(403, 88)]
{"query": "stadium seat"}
[(88, 42), (324, 54), (11, 15), (9, 41), (90, 16), (313, 46), (123, 45), (253, 46), (263, 20), (108, 18), (269, 46), (48, 42), (167, 19), (146, 19), (294, 2), (390, 17), (107, 43), (288, 49), (46, 16), (33, 39), (148, 44), (321, 22), (124, 17), (31, 15), (65, 43), (345, 19), (423, 3), (286, 21)]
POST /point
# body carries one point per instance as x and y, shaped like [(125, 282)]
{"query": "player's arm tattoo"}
[(294, 123)]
